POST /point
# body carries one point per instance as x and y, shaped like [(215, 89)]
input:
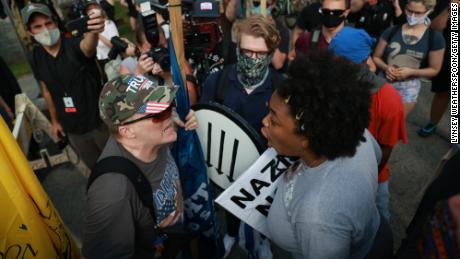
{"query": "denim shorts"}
[(408, 89)]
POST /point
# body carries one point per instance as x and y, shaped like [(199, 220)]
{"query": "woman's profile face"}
[(280, 128)]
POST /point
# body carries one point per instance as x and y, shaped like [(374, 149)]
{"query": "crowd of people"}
[(333, 90)]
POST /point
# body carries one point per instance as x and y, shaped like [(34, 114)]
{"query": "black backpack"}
[(121, 165)]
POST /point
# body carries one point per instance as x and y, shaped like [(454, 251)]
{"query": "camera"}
[(161, 56), (78, 26), (118, 46)]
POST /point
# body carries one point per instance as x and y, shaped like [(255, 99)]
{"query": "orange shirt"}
[(388, 122)]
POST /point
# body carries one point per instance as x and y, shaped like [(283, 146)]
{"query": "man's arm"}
[(439, 23), (95, 26), (55, 124), (278, 59), (231, 10), (294, 36), (386, 153)]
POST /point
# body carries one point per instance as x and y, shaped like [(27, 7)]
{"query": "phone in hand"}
[(78, 26)]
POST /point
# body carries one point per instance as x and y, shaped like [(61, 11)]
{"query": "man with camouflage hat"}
[(69, 78), (140, 117)]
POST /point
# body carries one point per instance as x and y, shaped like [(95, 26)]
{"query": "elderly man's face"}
[(153, 131)]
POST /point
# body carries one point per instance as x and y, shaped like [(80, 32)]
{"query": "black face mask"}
[(256, 4), (331, 21)]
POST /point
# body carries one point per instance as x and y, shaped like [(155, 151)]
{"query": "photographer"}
[(135, 62), (140, 62), (69, 78)]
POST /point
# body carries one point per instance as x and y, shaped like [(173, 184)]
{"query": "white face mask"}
[(415, 20), (48, 37)]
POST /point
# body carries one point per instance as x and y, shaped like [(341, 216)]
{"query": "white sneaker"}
[(228, 244)]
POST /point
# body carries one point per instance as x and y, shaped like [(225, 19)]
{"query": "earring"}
[(302, 127), (286, 101), (299, 115)]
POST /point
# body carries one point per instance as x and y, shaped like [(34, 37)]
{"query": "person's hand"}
[(156, 70), (144, 65), (291, 55), (403, 73), (390, 73), (175, 216), (95, 21), (57, 130), (191, 122)]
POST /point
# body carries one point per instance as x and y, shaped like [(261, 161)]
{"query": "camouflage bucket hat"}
[(32, 8), (126, 95)]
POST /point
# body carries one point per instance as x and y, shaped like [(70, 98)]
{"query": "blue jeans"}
[(383, 200)]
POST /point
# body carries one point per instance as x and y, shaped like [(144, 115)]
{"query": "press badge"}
[(68, 104)]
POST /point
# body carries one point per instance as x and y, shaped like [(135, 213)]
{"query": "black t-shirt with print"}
[(70, 74)]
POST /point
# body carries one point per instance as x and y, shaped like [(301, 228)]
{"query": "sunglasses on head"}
[(156, 117), (326, 11)]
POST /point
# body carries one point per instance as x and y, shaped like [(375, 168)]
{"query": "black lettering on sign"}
[(264, 208), (13, 251), (221, 152), (17, 251), (232, 164), (275, 172), (257, 185), (208, 155), (29, 249), (238, 200)]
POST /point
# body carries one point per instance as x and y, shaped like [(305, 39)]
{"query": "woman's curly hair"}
[(329, 103)]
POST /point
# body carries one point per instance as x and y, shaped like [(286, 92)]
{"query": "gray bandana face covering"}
[(252, 71)]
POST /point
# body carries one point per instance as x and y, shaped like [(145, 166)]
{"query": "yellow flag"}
[(30, 226)]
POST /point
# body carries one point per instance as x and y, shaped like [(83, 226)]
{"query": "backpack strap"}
[(223, 84), (121, 165), (314, 39)]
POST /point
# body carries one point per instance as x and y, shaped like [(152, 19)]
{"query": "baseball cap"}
[(32, 8), (353, 44), (127, 95), (206, 8)]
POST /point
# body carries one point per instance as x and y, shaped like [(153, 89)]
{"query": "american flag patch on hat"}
[(153, 107)]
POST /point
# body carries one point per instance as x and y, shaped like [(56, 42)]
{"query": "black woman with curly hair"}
[(325, 204)]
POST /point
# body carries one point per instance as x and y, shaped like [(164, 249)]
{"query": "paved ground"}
[(412, 168)]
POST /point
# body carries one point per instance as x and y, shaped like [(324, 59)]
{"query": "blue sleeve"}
[(208, 92), (438, 41)]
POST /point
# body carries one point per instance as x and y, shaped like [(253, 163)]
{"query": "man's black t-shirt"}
[(70, 75)]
